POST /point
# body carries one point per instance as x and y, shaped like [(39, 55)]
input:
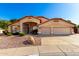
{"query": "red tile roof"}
[(41, 18), (58, 19)]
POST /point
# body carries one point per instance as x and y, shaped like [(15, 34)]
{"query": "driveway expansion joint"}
[(61, 50)]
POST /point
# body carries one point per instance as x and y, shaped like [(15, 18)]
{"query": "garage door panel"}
[(44, 30)]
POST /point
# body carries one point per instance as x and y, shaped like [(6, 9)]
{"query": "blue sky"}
[(50, 10)]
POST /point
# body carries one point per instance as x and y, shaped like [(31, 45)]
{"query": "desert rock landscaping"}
[(17, 41)]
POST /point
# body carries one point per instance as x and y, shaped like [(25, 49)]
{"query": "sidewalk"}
[(41, 51), (31, 50)]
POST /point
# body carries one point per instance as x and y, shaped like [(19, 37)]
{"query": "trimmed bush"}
[(21, 34), (9, 34), (17, 33)]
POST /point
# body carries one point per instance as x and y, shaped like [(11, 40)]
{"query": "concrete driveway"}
[(68, 45), (60, 40)]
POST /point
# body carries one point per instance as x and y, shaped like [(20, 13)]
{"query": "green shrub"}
[(9, 34), (21, 34)]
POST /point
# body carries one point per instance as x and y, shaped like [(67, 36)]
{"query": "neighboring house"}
[(42, 25), (1, 31)]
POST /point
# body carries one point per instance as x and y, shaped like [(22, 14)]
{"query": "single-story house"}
[(42, 26)]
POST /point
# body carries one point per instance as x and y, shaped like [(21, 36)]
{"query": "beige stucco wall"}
[(56, 24), (9, 28)]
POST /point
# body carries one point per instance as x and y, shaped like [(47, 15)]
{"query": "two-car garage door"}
[(55, 31), (61, 31)]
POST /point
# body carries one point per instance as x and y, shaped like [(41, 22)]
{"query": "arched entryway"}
[(28, 28)]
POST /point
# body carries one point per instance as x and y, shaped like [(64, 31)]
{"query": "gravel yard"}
[(12, 41)]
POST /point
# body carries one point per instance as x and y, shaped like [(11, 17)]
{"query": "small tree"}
[(4, 24)]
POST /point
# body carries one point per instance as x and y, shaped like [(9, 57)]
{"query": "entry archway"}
[(28, 28)]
